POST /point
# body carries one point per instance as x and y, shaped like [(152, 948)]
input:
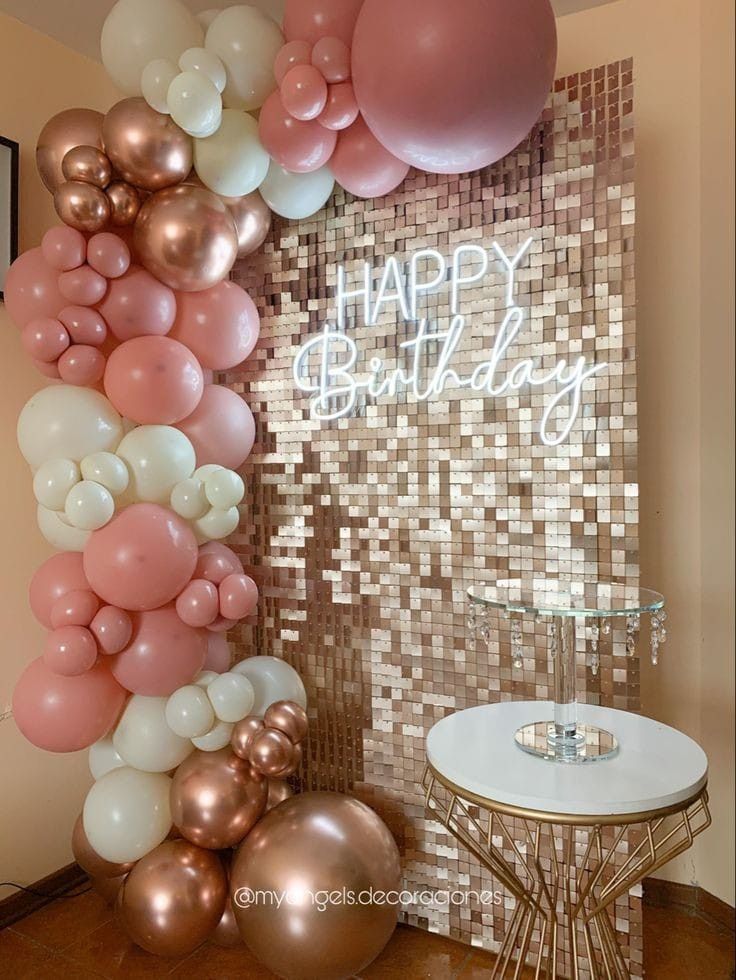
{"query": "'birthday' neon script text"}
[(326, 366)]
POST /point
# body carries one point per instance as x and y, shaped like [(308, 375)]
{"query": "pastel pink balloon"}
[(49, 370), (299, 147), (31, 289), (238, 596), (215, 562), (44, 339), (81, 365), (218, 653), (153, 380), (70, 650), (108, 254), (64, 248), (364, 167), (198, 604), (163, 654), (292, 54), (222, 625), (112, 628), (76, 608), (82, 286), (85, 325), (449, 87), (65, 714), (142, 559), (221, 428), (341, 109), (315, 19), (219, 325), (138, 305), (59, 575), (304, 92), (331, 57)]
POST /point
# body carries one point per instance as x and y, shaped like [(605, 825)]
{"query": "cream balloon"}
[(107, 469), (202, 472), (189, 500), (232, 696), (195, 103), (155, 80), (217, 524), (272, 680), (67, 421), (53, 481), (205, 677), (224, 489), (246, 41), (58, 532), (189, 712), (217, 738), (127, 814), (200, 59), (143, 738), (232, 162), (103, 758), (296, 196), (89, 506), (158, 457), (205, 17)]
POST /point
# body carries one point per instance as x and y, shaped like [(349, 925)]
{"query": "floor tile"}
[(212, 962), (677, 946), (479, 966), (65, 921), (109, 951), (23, 959), (409, 954)]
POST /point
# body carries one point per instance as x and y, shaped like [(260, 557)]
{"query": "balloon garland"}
[(126, 304)]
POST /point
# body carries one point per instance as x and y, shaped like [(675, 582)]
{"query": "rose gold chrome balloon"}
[(82, 206), (226, 932), (146, 147), (108, 888), (272, 753), (173, 898), (252, 217), (216, 798), (186, 238), (72, 127), (88, 164), (278, 791), (89, 860), (289, 717), (242, 735), (310, 845), (125, 203)]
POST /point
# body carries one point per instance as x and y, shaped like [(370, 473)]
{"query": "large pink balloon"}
[(221, 428), (218, 653), (163, 654), (138, 305), (364, 167), (142, 559), (219, 325), (153, 380), (31, 289), (310, 20), (299, 147), (59, 575), (65, 714), (216, 561), (452, 87)]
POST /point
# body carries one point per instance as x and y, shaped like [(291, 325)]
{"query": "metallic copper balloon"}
[(173, 898), (82, 206), (108, 888), (289, 717), (216, 798), (278, 791), (125, 203), (72, 127), (242, 735), (145, 147), (274, 754), (89, 860), (252, 217), (226, 932), (186, 238), (309, 846), (88, 164)]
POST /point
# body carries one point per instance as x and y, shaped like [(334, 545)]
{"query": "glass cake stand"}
[(563, 739)]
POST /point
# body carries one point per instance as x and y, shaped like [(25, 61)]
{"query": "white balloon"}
[(189, 712), (217, 524), (296, 196), (136, 32), (189, 500), (127, 814), (205, 17), (67, 421), (200, 59), (158, 457), (143, 738), (246, 41), (224, 489), (202, 472), (205, 677), (217, 738), (272, 680), (155, 80), (53, 481), (194, 103), (89, 506), (59, 532), (103, 758), (232, 162), (232, 696), (107, 469)]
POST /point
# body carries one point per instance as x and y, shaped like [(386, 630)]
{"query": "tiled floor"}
[(77, 939)]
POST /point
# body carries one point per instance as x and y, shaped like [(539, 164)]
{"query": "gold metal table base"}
[(565, 873)]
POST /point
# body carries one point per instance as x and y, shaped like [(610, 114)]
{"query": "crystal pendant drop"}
[(632, 628), (471, 616), (606, 628), (485, 629), (658, 634), (594, 655), (517, 651), (552, 641)]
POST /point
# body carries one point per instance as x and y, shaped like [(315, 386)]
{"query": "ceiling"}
[(78, 23)]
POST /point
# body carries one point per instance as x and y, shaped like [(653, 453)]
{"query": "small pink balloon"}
[(218, 653), (222, 625), (219, 325), (362, 166), (44, 339), (48, 370), (198, 604), (341, 109), (314, 19), (238, 596), (292, 54), (31, 289), (76, 608), (215, 562), (59, 575), (138, 305), (163, 654), (85, 325), (331, 57), (108, 254), (300, 147), (82, 286), (221, 428), (70, 651), (64, 248), (304, 92), (81, 365), (112, 628)]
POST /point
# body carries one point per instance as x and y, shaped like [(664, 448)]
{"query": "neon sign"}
[(327, 365)]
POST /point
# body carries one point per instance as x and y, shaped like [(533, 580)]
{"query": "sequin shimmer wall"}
[(364, 532)]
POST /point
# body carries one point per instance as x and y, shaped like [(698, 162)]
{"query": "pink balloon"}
[(64, 248), (341, 109), (218, 653), (304, 92), (163, 654), (65, 714), (238, 596), (70, 650), (198, 604), (31, 289), (331, 57), (448, 87), (362, 166), (311, 20), (81, 365), (292, 54), (76, 608), (138, 305), (49, 369), (219, 325), (108, 254), (85, 326), (222, 625), (215, 562), (44, 339), (153, 380), (221, 428), (299, 147), (82, 286), (59, 575), (112, 628), (142, 559)]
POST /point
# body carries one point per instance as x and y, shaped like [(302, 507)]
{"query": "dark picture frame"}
[(9, 157)]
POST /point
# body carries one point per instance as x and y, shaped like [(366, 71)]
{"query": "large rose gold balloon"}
[(125, 203), (186, 238), (72, 127), (278, 791), (146, 147), (216, 798), (90, 861), (289, 717), (82, 206), (226, 932), (108, 888), (312, 844), (88, 164), (252, 217), (242, 735), (173, 898)]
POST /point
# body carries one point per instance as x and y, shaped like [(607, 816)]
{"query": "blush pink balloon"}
[(331, 57), (153, 380), (341, 109), (198, 604), (222, 625), (142, 559), (163, 654), (219, 325), (70, 650), (82, 286), (292, 54), (57, 577), (112, 628), (311, 20), (31, 289), (304, 92), (362, 166), (81, 365), (84, 325), (216, 561), (49, 370), (221, 428), (44, 339), (64, 248), (65, 714), (299, 147), (108, 254), (218, 653), (138, 305), (238, 596), (76, 608)]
